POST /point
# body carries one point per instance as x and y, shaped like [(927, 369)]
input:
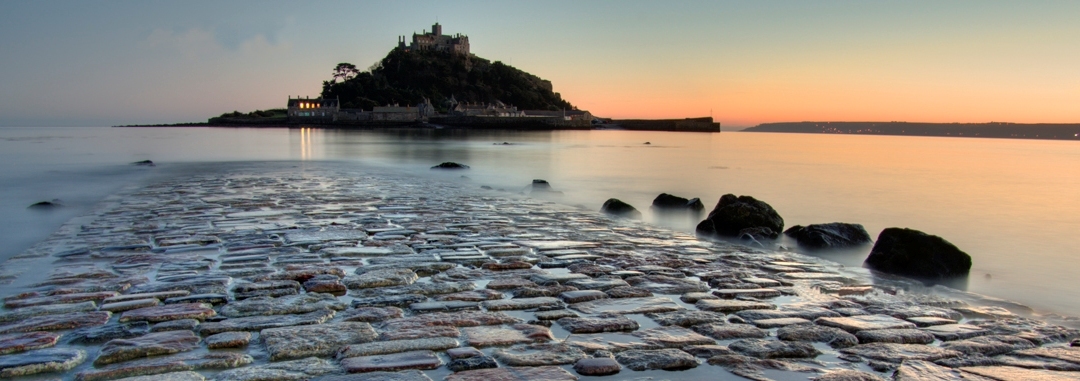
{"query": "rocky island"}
[(257, 271)]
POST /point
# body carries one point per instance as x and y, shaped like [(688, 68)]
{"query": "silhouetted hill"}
[(407, 77), (1060, 131)]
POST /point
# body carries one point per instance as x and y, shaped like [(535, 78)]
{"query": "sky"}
[(99, 63)]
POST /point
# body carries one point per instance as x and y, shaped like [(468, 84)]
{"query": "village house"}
[(312, 110)]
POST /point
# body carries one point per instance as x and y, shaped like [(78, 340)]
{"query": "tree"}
[(345, 71)]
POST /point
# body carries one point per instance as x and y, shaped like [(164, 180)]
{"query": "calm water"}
[(1014, 205)]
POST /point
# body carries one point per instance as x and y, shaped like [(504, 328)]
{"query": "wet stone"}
[(834, 337), (129, 305), (381, 278), (661, 284), (539, 354), (463, 352), (628, 292), (582, 296), (747, 293), (472, 363), (918, 370), (627, 306), (686, 318), (198, 311), (22, 342), (898, 336), (707, 351), (175, 325), (849, 375), (1013, 373), (472, 296), (58, 299), (947, 332), (891, 352), (57, 322), (603, 284), (228, 340), (551, 279), (327, 286), (297, 370), (443, 306), (768, 349), (454, 319), (418, 288), (404, 375), (153, 344), (729, 306), (52, 309), (609, 323), (509, 283), (991, 345), (865, 322), (546, 373), (397, 346), (405, 332), (495, 336), (258, 323), (165, 364), (666, 359), (926, 321), (522, 304), (693, 297), (108, 332), (41, 361), (403, 300), (1066, 354), (172, 376), (808, 312), (293, 304), (780, 322), (214, 299), (392, 362), (371, 314), (673, 337), (730, 331), (314, 340)]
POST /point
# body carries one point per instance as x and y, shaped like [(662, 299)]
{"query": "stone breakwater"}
[(323, 273)]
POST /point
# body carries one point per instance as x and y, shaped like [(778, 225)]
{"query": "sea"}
[(1013, 205)]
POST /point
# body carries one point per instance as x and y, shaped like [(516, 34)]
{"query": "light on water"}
[(1010, 204)]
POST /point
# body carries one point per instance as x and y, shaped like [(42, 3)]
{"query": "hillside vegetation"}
[(406, 78)]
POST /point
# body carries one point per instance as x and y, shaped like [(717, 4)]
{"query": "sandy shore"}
[(272, 271)]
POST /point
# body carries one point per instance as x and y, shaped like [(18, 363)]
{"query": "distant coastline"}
[(704, 124), (1047, 131)]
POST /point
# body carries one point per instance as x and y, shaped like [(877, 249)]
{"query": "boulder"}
[(144, 163), (616, 207), (666, 203), (542, 187), (916, 254), (733, 214), (829, 236), (450, 165)]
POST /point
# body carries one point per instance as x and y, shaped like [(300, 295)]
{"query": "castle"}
[(457, 44)]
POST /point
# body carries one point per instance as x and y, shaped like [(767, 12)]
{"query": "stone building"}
[(312, 110), (457, 44)]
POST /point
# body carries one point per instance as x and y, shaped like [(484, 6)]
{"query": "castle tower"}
[(436, 29)]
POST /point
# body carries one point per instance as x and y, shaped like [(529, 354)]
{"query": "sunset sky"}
[(745, 62)]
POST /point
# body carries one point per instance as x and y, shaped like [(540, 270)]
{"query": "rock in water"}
[(733, 214), (666, 203), (144, 163), (542, 187), (829, 236), (450, 165), (916, 254), (45, 205), (616, 207)]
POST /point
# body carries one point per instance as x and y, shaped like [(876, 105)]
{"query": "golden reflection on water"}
[(306, 134)]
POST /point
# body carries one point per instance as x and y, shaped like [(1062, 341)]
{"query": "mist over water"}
[(1011, 204)]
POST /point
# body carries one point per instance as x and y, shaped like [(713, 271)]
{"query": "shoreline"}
[(241, 216)]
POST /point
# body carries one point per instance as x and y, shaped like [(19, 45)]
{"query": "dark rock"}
[(41, 361), (916, 254), (144, 163), (686, 318), (228, 340), (835, 337), (672, 337), (865, 322), (730, 331), (526, 373), (666, 359), (829, 236), (303, 369), (540, 354), (472, 363), (666, 203), (384, 346), (616, 207), (21, 342), (990, 345), (913, 370), (198, 311), (58, 322), (153, 344), (392, 362), (707, 351), (46, 309), (757, 234), (108, 332), (898, 336), (733, 214), (597, 366), (257, 323), (371, 314), (165, 364), (542, 187), (848, 375), (292, 304), (896, 353), (314, 340), (628, 292), (768, 349), (450, 165), (175, 325), (403, 300), (45, 205), (214, 299)]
